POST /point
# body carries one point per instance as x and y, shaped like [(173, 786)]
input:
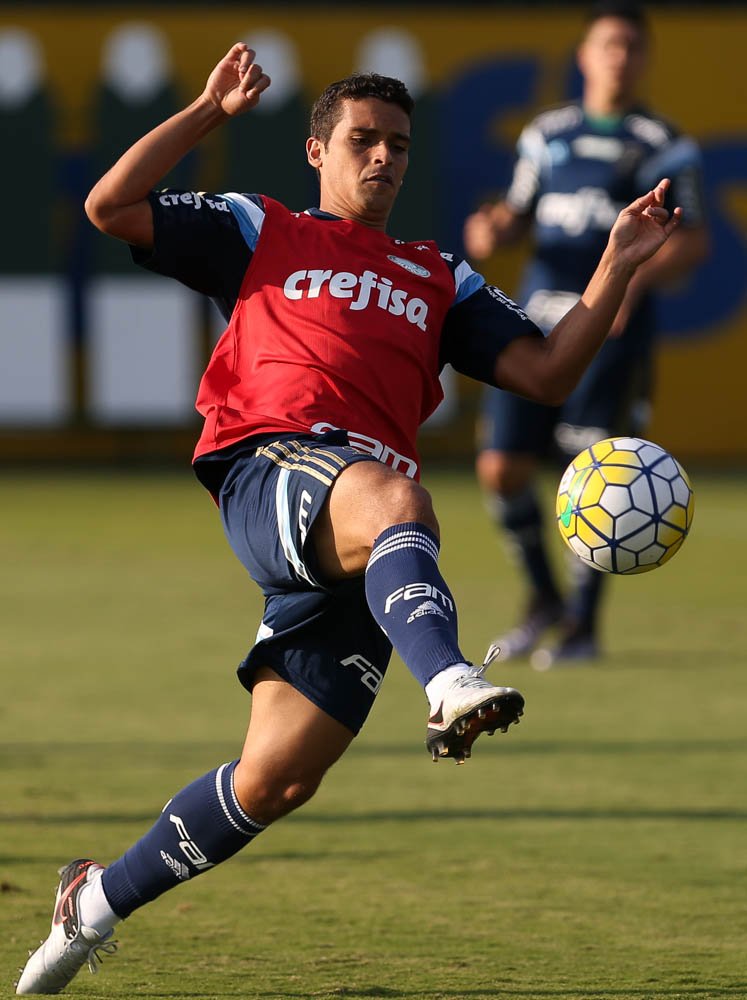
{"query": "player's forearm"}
[(145, 163), (508, 227), (546, 370)]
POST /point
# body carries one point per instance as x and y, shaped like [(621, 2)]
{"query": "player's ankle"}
[(434, 689), (94, 907)]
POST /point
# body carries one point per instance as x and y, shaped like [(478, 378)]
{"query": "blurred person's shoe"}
[(575, 649), (542, 614)]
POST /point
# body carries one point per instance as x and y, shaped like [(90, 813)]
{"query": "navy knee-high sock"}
[(200, 827), (520, 516), (410, 600), (584, 600)]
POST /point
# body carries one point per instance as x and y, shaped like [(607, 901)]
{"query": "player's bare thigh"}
[(290, 744), (365, 499)]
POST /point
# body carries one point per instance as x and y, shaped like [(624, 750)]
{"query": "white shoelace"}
[(492, 654), (94, 957)]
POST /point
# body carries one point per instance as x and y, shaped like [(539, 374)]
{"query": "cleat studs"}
[(434, 756), (481, 713), (504, 729), (490, 732)]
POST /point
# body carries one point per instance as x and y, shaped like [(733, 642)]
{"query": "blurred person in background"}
[(577, 165), (312, 400)]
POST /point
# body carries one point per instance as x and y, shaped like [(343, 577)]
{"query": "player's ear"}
[(314, 152)]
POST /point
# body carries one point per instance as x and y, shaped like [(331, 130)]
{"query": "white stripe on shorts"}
[(282, 510)]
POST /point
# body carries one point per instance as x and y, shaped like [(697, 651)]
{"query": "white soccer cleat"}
[(470, 706), (69, 945)]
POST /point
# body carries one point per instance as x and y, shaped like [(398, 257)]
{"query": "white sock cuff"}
[(93, 906)]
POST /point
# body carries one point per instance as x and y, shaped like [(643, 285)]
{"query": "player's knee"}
[(408, 501), (503, 472), (267, 798)]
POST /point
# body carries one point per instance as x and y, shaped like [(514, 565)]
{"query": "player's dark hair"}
[(629, 11), (327, 110)]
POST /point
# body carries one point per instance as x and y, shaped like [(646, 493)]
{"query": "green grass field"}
[(596, 851)]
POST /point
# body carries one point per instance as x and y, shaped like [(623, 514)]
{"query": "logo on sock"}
[(426, 608), (189, 848), (414, 590), (181, 871)]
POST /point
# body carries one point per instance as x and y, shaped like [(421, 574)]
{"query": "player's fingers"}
[(674, 221), (250, 77), (252, 95), (262, 84), (234, 54), (655, 212), (246, 59), (660, 192), (638, 206)]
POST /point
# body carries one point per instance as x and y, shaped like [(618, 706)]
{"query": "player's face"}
[(362, 167), (612, 58)]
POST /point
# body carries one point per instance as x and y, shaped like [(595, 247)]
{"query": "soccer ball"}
[(624, 505)]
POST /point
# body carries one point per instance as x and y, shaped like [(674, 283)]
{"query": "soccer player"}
[(312, 399), (577, 165)]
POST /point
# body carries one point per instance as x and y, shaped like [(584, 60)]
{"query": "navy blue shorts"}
[(319, 637), (612, 398)]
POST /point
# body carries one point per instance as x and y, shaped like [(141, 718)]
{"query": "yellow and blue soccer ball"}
[(624, 505)]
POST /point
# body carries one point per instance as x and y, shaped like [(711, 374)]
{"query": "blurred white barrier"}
[(143, 352), (35, 356)]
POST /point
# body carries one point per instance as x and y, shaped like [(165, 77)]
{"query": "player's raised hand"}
[(479, 233), (644, 226), (236, 83)]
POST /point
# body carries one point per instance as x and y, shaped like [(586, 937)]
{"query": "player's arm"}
[(493, 225), (548, 370), (118, 204), (507, 221)]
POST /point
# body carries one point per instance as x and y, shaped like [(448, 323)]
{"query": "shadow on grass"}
[(542, 814), (371, 817), (528, 747), (254, 857), (154, 754), (559, 993)]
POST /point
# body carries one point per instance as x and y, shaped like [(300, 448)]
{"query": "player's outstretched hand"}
[(236, 83), (479, 233), (644, 226)]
